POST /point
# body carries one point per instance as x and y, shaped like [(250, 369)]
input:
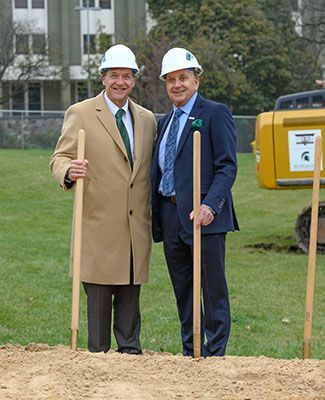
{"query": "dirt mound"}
[(38, 371)]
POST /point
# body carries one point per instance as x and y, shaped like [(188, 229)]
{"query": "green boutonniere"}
[(197, 124)]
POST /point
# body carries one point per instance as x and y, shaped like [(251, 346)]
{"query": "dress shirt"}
[(186, 108), (127, 118)]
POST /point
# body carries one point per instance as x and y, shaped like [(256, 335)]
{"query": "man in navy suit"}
[(172, 199)]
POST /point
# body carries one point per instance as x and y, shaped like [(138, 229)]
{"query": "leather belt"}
[(171, 199)]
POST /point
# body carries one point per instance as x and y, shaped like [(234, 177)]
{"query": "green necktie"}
[(124, 134)]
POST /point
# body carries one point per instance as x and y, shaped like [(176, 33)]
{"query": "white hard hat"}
[(179, 58), (119, 56)]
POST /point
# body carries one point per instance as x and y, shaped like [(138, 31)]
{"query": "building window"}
[(37, 3), (82, 91), (105, 4), (295, 5), (34, 96), (92, 47), (91, 3), (105, 41), (38, 44), (17, 93), (20, 3), (22, 44), (28, 96)]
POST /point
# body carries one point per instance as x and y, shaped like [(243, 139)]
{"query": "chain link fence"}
[(41, 129)]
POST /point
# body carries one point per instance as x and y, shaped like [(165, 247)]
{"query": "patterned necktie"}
[(124, 134), (170, 154)]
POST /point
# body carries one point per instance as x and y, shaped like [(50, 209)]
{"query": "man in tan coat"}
[(116, 236)]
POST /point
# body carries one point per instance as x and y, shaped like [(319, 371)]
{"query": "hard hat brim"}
[(134, 71), (197, 70)]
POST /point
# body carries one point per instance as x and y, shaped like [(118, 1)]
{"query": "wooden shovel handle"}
[(196, 245), (78, 205), (312, 251)]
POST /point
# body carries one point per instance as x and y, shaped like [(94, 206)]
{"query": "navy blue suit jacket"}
[(218, 169)]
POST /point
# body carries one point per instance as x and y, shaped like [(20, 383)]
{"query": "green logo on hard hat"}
[(189, 56)]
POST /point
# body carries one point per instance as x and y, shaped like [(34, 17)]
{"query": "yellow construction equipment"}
[(284, 150)]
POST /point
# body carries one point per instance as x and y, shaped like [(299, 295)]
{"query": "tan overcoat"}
[(116, 213)]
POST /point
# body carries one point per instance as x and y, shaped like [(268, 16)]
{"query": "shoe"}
[(127, 350)]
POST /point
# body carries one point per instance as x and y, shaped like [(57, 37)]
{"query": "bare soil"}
[(39, 371)]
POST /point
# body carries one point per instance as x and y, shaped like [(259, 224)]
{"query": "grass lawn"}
[(267, 288)]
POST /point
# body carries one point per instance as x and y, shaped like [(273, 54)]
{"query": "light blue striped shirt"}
[(186, 108)]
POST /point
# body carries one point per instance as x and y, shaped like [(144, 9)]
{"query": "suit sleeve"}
[(223, 138), (66, 148)]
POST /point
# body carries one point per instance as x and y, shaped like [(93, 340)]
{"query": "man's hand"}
[(78, 169), (205, 216)]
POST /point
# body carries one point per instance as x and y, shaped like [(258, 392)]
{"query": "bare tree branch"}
[(19, 68)]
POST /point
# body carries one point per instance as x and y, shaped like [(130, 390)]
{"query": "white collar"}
[(113, 107)]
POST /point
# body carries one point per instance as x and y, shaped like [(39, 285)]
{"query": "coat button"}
[(130, 212), (125, 159), (131, 186)]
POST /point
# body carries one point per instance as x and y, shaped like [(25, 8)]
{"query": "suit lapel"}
[(194, 114), (107, 120)]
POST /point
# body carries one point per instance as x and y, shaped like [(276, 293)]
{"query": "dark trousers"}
[(178, 250), (127, 322)]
